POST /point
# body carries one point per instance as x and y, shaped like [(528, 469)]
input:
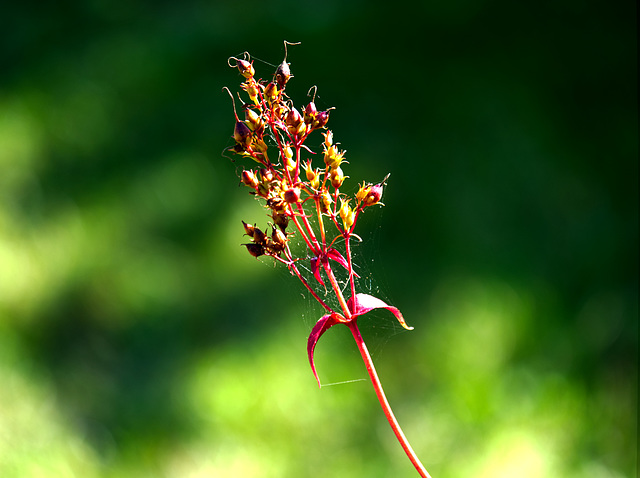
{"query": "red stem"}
[(386, 408)]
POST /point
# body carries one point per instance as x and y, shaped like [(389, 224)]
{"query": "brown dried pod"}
[(283, 74)]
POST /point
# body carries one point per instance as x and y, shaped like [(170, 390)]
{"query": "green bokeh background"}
[(137, 339)]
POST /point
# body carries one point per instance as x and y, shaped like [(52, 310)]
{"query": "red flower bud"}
[(373, 195), (310, 113), (322, 118), (292, 195), (242, 133), (271, 92), (245, 68), (283, 74)]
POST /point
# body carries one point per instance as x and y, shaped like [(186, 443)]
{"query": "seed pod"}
[(373, 195), (337, 177), (310, 113), (346, 214), (278, 237), (248, 229), (242, 133), (280, 220), (292, 195), (253, 119), (277, 205), (283, 74), (325, 202), (266, 175), (256, 250), (249, 179), (271, 92), (246, 69), (258, 236), (322, 118)]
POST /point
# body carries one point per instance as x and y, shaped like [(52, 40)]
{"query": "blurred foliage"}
[(138, 339)]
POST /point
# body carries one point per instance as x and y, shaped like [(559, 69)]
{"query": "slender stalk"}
[(386, 408)]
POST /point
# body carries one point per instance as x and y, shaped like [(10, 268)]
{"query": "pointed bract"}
[(336, 256), (315, 270), (364, 303), (320, 328)]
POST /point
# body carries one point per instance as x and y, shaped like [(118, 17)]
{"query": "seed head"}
[(283, 74)]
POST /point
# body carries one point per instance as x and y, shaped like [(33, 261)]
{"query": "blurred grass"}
[(138, 339)]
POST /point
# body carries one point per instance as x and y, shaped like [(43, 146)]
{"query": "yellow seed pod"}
[(328, 138), (336, 176), (325, 202), (346, 214)]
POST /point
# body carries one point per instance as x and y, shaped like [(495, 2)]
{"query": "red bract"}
[(358, 305), (310, 206)]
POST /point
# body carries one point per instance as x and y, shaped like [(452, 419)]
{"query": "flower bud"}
[(249, 179), (252, 90), (248, 229), (258, 236), (252, 119), (266, 175), (283, 74), (369, 194), (278, 237), (293, 118), (242, 133), (310, 113), (271, 92), (281, 220), (322, 118), (292, 195), (256, 250), (246, 69), (346, 214), (336, 176), (328, 139), (325, 202)]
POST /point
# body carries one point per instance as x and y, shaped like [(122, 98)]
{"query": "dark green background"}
[(138, 339)]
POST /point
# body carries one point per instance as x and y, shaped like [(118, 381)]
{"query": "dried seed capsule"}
[(280, 220), (283, 74), (278, 237), (248, 229), (258, 236), (256, 250)]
